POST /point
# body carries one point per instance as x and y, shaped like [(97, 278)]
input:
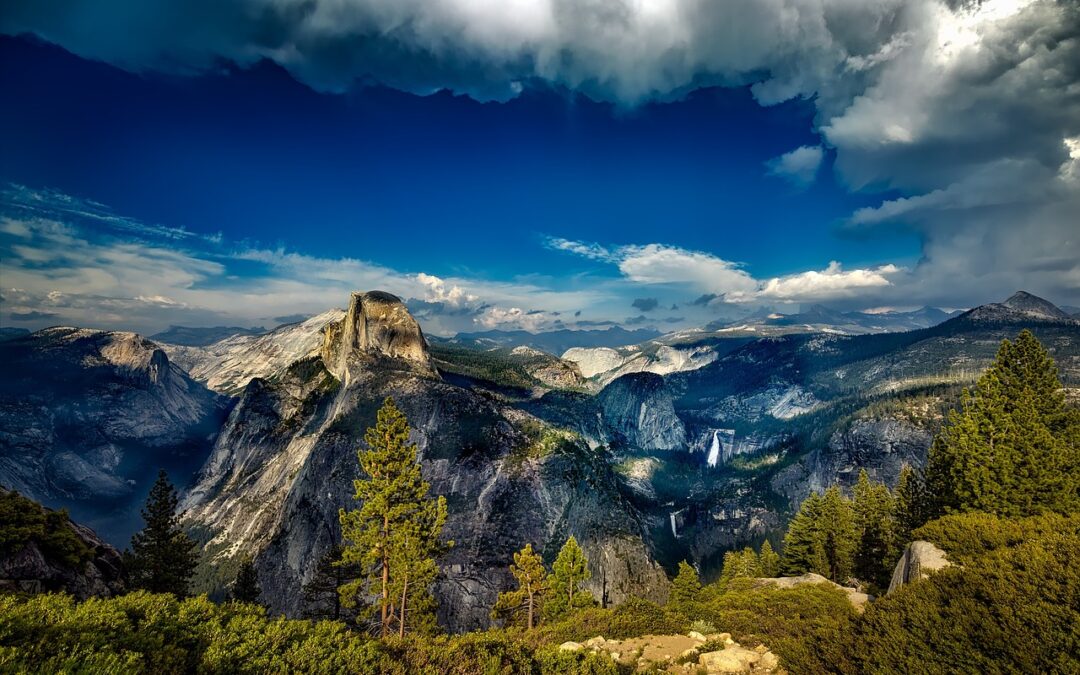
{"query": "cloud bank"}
[(968, 111)]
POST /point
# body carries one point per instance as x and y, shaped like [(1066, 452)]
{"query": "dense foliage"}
[(146, 633), (1013, 447), (1010, 610), (23, 521)]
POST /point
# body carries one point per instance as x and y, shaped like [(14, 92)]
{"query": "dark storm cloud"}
[(645, 304)]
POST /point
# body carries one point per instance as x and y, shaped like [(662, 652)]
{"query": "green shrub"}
[(965, 536), (632, 618), (23, 521), (1013, 610)]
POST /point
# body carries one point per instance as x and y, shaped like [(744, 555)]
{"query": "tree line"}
[(1011, 450)]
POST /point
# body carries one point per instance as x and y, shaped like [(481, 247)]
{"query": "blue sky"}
[(466, 168)]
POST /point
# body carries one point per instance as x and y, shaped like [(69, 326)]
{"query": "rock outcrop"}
[(376, 325), (638, 410), (682, 653), (88, 417), (284, 464), (857, 599), (919, 560), (32, 567)]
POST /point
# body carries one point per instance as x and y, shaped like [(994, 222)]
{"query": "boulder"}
[(919, 559), (570, 646), (857, 599), (730, 660)]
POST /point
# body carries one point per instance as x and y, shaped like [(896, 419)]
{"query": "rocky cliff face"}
[(227, 365), (87, 417), (880, 446), (286, 458), (31, 567), (639, 411)]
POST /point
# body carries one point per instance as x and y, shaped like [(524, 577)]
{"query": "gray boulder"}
[(919, 560)]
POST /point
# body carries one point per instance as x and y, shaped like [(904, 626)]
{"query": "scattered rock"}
[(919, 559), (571, 647), (721, 662), (696, 635), (857, 599)]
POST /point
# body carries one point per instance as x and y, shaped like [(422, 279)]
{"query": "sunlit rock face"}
[(285, 462), (376, 325)]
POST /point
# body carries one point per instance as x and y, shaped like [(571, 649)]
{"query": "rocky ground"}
[(690, 653)]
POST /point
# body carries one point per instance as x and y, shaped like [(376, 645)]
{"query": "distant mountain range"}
[(202, 336), (557, 341)]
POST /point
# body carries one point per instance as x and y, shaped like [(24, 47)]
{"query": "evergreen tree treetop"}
[(1012, 447), (162, 557)]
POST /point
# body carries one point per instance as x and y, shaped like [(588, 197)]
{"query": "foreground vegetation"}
[(1014, 606)]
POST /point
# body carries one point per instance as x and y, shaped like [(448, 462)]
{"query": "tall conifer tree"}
[(1011, 448), (568, 572), (393, 537), (528, 598), (163, 556)]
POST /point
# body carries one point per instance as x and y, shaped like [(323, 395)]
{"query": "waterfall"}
[(674, 532), (714, 450)]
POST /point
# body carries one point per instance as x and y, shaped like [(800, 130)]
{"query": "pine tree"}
[(321, 598), (246, 586), (1011, 447), (911, 505), (568, 572), (394, 536), (162, 557), (875, 530), (528, 570), (804, 549), (837, 527), (742, 563), (685, 589), (768, 561)]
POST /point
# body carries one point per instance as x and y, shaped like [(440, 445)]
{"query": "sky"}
[(533, 164)]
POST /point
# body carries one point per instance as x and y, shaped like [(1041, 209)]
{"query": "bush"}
[(632, 618), (804, 625), (966, 536), (1015, 609), (146, 633), (23, 521)]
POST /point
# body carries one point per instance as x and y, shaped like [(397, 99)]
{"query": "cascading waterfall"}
[(674, 531), (714, 450)]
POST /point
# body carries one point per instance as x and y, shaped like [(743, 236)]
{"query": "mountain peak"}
[(1033, 305), (376, 324)]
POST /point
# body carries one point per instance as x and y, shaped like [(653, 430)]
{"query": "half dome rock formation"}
[(639, 410), (377, 324), (285, 462), (919, 560)]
